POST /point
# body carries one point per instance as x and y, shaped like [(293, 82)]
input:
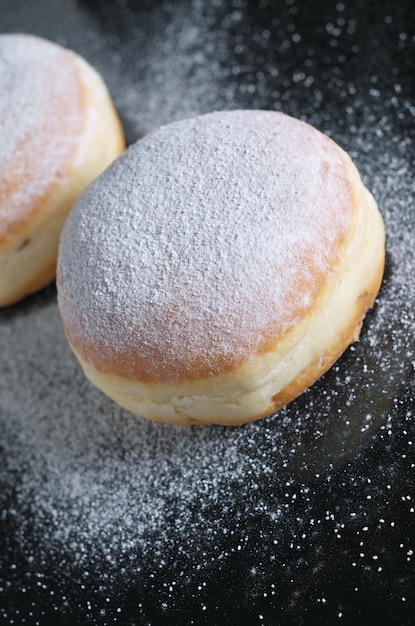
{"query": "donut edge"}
[(28, 254), (123, 391)]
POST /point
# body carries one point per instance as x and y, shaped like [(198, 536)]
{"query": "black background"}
[(348, 68)]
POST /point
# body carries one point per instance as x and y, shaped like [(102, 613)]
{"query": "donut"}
[(219, 267), (59, 130)]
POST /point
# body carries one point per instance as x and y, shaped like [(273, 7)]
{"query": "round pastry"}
[(59, 130), (219, 267)]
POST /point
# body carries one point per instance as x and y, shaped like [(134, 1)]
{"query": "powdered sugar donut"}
[(59, 130), (219, 267)]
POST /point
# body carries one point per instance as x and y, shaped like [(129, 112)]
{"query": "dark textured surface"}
[(306, 517)]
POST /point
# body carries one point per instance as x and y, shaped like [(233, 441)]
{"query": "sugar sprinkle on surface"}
[(40, 119), (115, 520), (190, 249)]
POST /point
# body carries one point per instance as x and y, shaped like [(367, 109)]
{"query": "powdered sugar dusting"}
[(305, 517), (192, 245), (40, 119)]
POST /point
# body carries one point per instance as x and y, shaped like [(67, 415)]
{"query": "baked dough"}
[(59, 131), (219, 267)]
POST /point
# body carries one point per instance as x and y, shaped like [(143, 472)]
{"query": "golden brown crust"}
[(151, 366), (140, 366), (20, 166), (326, 304), (29, 233), (304, 379), (312, 372)]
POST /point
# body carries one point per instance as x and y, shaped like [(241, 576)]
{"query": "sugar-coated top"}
[(40, 121), (202, 244)]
